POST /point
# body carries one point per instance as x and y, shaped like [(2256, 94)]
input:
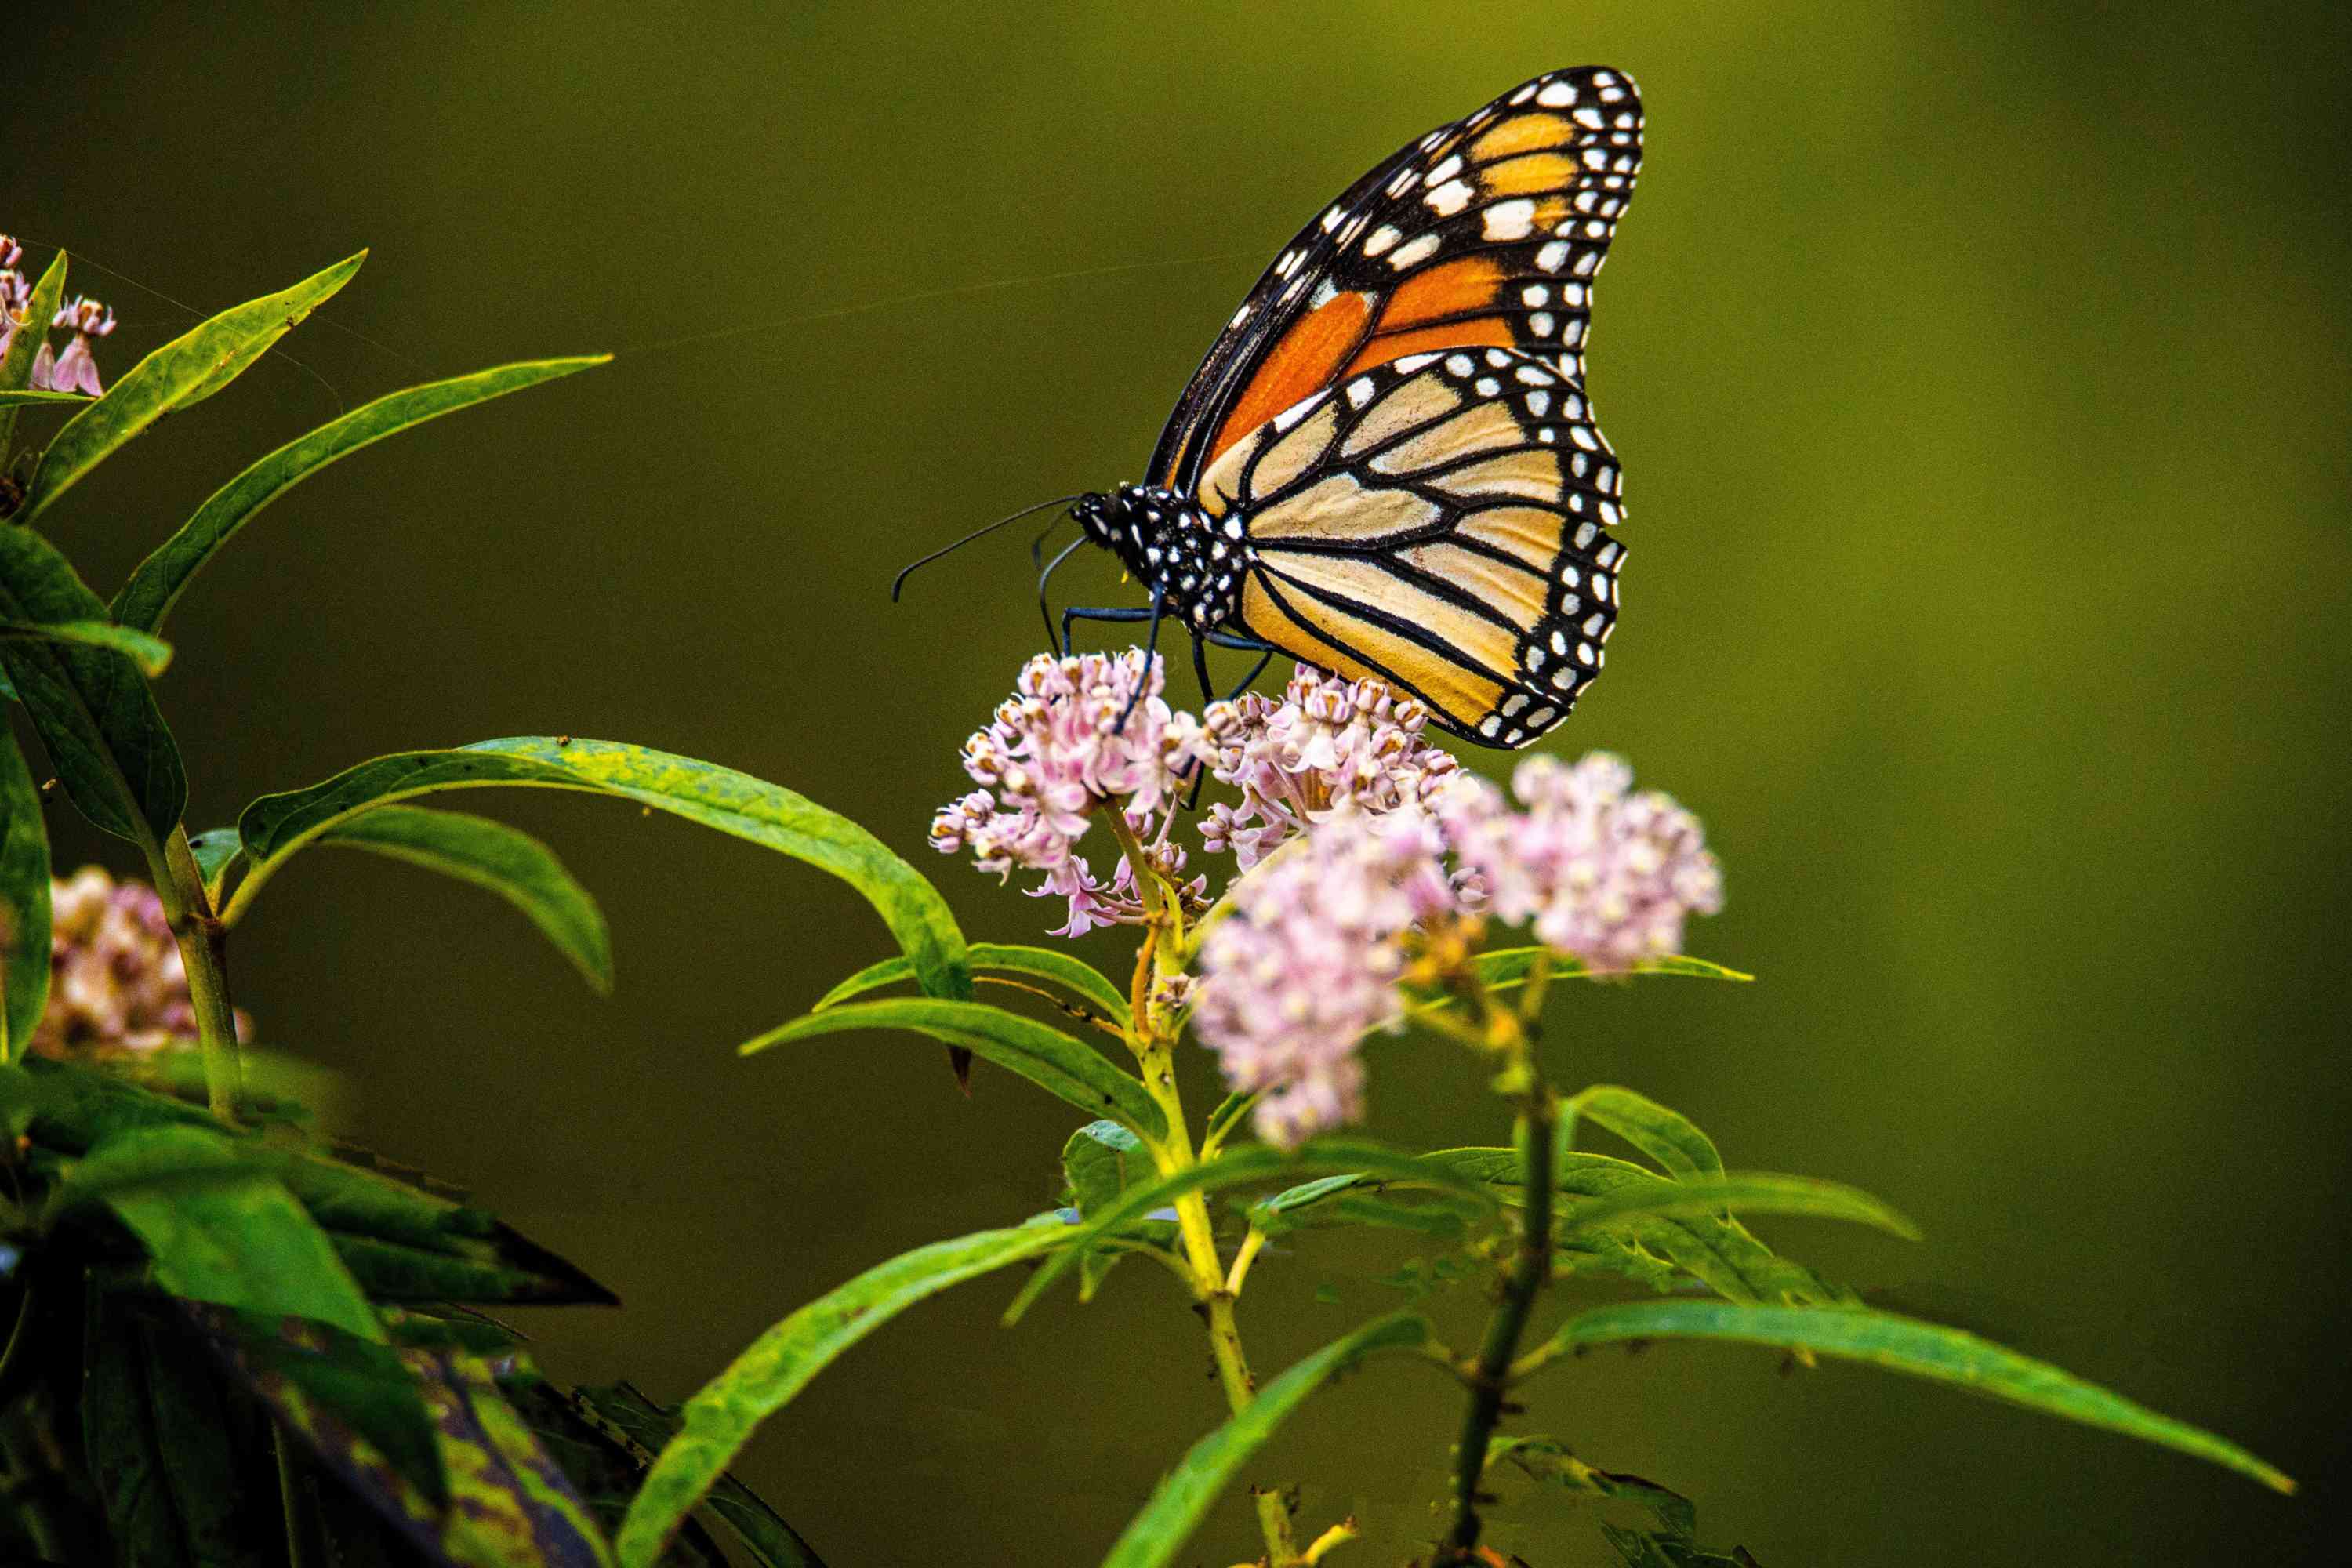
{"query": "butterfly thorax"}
[(1191, 562)]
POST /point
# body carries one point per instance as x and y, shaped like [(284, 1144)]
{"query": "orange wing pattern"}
[(1484, 233), (1439, 522)]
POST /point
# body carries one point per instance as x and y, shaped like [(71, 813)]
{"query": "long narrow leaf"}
[(1752, 1192), (506, 860), (762, 1529), (152, 655), (24, 901), (1922, 1350), (27, 398), (1074, 975), (1669, 1137), (1241, 1167), (719, 1419), (185, 371), (160, 580), (1038, 1052), (277, 825), (105, 736), (1159, 1532)]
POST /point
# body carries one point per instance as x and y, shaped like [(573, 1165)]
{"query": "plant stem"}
[(204, 954), (290, 1495), (1490, 1376), (1152, 1042)]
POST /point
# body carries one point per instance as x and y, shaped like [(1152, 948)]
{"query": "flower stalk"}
[(203, 951), (1492, 1374), (1153, 1042)]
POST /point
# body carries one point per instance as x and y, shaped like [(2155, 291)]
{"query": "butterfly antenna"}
[(901, 580)]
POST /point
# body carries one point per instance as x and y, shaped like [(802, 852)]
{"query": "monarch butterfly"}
[(1387, 465)]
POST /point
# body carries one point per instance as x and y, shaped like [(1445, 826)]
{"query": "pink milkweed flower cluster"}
[(116, 983), (1055, 754), (1305, 964), (1603, 874), (1329, 744), (74, 370)]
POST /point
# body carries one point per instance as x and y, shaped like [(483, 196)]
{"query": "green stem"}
[(1490, 1376), (1153, 1044), (204, 954)]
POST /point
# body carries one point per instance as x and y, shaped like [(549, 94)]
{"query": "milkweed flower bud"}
[(1077, 734), (116, 983), (1603, 874), (1306, 965), (1329, 744)]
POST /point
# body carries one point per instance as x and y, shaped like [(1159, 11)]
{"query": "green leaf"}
[(719, 1419), (25, 347), (218, 851), (152, 655), (1226, 1117), (1666, 1136), (1922, 1350), (24, 901), (1754, 1191), (1038, 1052), (218, 1229), (1548, 1459), (277, 825), (1507, 969), (1238, 1167), (177, 1486), (28, 399), (160, 580), (105, 736), (1101, 1160), (1073, 974), (183, 372), (506, 860), (1159, 1532), (772, 1542)]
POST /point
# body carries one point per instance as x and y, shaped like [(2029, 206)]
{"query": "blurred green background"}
[(1980, 374)]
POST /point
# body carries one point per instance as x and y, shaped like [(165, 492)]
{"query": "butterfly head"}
[(1188, 559)]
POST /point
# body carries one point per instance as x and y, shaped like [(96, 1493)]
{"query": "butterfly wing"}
[(1438, 521), (1484, 233)]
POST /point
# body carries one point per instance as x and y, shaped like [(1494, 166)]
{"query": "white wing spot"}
[(1412, 362), (1459, 364), (1360, 392), (1539, 404), (1532, 375), (1383, 238), (1413, 251), (1510, 220), (1551, 255), (1449, 198), (1542, 717), (1589, 117), (1540, 323), (1487, 386), (1444, 171), (1536, 294), (1558, 94)]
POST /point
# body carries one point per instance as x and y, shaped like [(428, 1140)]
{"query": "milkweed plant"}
[(231, 1338)]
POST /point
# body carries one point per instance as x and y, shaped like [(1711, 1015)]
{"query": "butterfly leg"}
[(1045, 575), (1150, 652), (1078, 612)]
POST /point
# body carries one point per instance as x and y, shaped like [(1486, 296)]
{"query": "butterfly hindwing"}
[(1484, 233), (1439, 522)]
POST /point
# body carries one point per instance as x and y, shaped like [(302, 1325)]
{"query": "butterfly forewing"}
[(1439, 522), (1484, 233)]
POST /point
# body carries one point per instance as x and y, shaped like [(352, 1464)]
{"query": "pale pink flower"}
[(115, 979), (1077, 734), (74, 370), (1605, 875), (1329, 744), (1305, 964)]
